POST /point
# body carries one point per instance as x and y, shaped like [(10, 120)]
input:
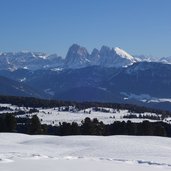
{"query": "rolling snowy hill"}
[(123, 153)]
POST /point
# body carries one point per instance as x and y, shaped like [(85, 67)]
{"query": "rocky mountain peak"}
[(77, 57), (77, 51)]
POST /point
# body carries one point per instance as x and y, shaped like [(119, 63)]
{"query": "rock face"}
[(77, 57), (115, 57), (29, 60)]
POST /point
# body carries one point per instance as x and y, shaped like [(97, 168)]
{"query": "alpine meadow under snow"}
[(20, 152)]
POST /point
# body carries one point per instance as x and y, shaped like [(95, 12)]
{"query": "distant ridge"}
[(77, 57)]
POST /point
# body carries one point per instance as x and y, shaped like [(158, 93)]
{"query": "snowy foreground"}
[(20, 152)]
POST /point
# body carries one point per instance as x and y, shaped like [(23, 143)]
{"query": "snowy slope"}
[(29, 60), (54, 116), (124, 54), (123, 153), (166, 60)]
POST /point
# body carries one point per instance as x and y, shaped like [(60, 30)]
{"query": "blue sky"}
[(138, 26)]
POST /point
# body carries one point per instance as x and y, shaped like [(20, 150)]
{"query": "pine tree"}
[(130, 128), (159, 130), (35, 125), (75, 130), (10, 123)]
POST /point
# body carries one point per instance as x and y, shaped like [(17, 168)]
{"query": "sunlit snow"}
[(123, 153)]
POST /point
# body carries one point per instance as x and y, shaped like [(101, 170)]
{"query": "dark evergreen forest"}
[(10, 123)]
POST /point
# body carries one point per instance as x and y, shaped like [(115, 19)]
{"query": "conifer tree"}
[(10, 123), (35, 126)]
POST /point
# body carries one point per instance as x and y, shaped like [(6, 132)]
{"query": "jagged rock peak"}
[(77, 57), (105, 51), (76, 50), (105, 48)]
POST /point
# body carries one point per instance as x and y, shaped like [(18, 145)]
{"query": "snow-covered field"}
[(19, 152), (53, 116)]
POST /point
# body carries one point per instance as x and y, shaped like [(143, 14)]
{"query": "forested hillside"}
[(28, 115)]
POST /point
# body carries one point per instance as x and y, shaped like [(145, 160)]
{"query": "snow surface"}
[(54, 116), (123, 153), (124, 54), (107, 118)]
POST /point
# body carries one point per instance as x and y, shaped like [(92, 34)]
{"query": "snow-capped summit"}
[(124, 54), (77, 57), (40, 55), (29, 60), (147, 58), (166, 60), (115, 57)]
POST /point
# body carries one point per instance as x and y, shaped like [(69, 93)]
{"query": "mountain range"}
[(105, 75), (77, 57)]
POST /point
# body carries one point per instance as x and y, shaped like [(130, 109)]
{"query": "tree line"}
[(8, 123), (44, 103)]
